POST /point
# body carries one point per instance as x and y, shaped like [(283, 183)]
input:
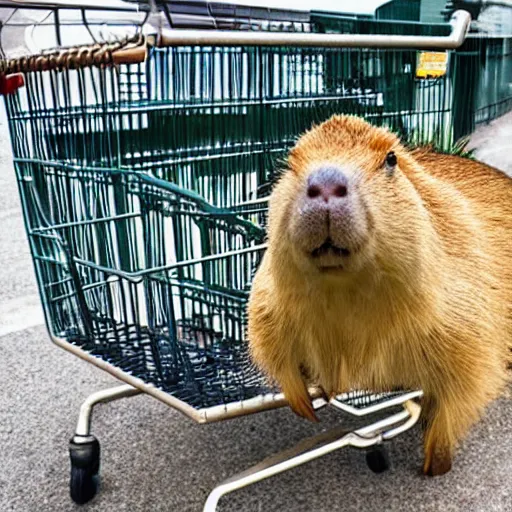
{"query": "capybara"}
[(386, 268)]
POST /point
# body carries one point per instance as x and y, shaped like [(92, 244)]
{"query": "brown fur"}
[(427, 302)]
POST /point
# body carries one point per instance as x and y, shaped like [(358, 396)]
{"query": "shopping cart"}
[(144, 170)]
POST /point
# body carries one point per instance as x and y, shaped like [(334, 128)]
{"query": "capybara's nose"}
[(327, 183)]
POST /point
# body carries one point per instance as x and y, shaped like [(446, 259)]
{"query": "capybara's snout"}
[(330, 224)]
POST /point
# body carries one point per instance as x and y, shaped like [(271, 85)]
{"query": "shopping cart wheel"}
[(85, 465), (377, 459)]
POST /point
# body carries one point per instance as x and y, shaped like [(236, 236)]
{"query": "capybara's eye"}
[(390, 161)]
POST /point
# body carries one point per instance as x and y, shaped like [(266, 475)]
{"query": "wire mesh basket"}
[(145, 198), (156, 288)]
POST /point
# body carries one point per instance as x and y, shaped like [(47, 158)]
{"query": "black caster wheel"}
[(377, 459), (85, 465)]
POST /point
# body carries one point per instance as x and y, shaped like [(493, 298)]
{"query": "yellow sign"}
[(431, 64)]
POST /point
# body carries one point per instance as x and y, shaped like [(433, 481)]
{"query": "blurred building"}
[(493, 17)]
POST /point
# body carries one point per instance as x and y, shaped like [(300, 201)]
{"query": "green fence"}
[(324, 22), (481, 70), (494, 86)]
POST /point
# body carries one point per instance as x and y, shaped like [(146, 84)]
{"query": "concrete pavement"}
[(493, 143), (153, 459)]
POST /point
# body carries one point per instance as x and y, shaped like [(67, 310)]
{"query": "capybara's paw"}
[(438, 446), (437, 464), (302, 406)]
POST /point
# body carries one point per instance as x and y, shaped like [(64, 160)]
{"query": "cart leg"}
[(84, 448), (317, 446)]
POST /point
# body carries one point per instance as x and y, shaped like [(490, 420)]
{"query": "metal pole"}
[(460, 23), (316, 447), (106, 395)]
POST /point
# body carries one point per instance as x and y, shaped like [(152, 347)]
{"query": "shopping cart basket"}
[(144, 189)]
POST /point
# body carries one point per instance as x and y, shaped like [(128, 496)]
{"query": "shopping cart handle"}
[(459, 22)]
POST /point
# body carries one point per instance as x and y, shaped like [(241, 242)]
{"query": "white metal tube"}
[(363, 411), (361, 438), (83, 426), (221, 490), (460, 23), (414, 412)]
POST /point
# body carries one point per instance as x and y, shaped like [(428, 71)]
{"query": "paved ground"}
[(156, 460), (493, 143)]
